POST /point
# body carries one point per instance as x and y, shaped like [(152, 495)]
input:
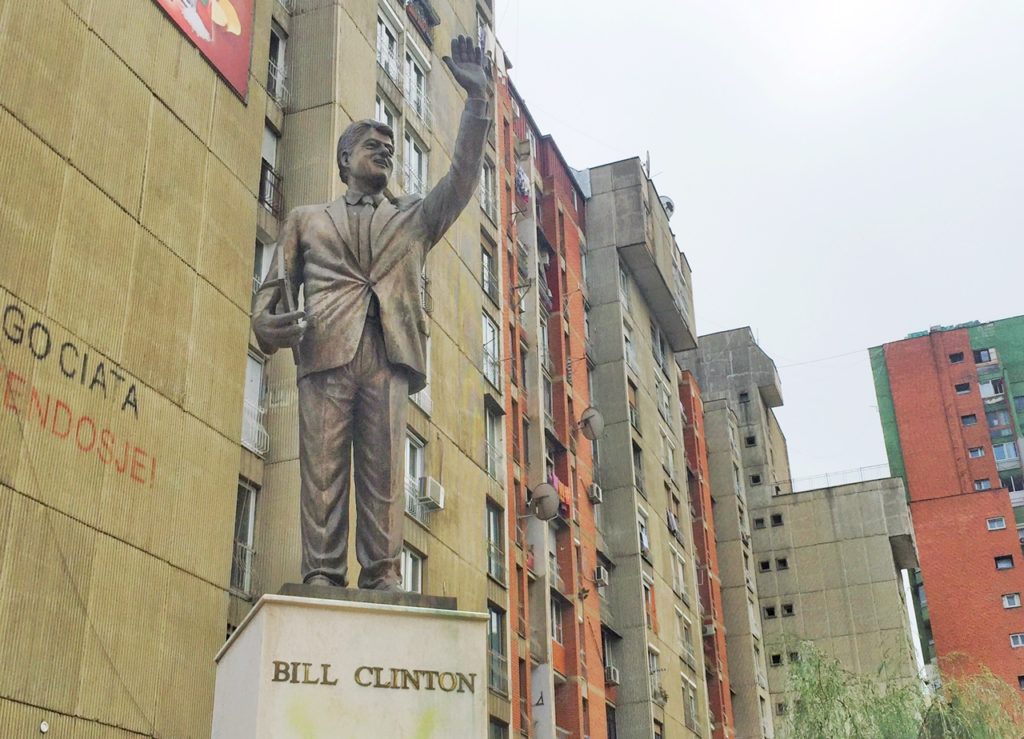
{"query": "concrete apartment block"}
[(830, 568)]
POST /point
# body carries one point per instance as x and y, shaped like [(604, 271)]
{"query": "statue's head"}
[(366, 153)]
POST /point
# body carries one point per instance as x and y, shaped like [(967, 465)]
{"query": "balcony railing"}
[(490, 283), (412, 504), (497, 672), (276, 88), (271, 190), (522, 257), (241, 568), (413, 181), (389, 62), (494, 455), (489, 201), (496, 561), (254, 436), (419, 104), (426, 299)]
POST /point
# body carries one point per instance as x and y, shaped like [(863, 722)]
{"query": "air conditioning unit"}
[(600, 575), (709, 630), (595, 493), (431, 493), (611, 675)]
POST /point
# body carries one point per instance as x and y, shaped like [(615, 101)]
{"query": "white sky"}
[(843, 173)]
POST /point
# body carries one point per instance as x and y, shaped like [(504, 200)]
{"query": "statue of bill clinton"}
[(359, 344)]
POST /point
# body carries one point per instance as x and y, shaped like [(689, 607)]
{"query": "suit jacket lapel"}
[(338, 212)]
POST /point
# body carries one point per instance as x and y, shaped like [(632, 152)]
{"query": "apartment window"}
[(998, 418), (630, 346), (492, 343), (495, 542), (750, 440), (782, 563), (996, 524), (254, 435), (489, 273), (776, 519), (659, 730), (493, 442), (634, 412), (1011, 600), (489, 190), (976, 452), (648, 590), (765, 565), (384, 112), (1020, 681), (755, 479), (262, 260), (497, 673), (678, 573), (643, 533), (956, 357), (245, 527), (387, 48), (557, 630), (969, 420), (1017, 640), (275, 65), (497, 730), (787, 609), (770, 612), (794, 656), (415, 165), (613, 733), (1004, 562), (758, 523), (416, 87), (744, 397), (984, 484), (1018, 403), (962, 388), (1013, 482), (271, 194), (656, 348), (984, 355), (992, 388), (1005, 452), (412, 570), (775, 660), (654, 668), (638, 469)]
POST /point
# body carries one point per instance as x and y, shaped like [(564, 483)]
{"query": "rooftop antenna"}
[(647, 163)]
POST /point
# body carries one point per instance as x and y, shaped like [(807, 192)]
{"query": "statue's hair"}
[(354, 134)]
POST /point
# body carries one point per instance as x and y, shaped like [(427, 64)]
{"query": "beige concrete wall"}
[(128, 172)]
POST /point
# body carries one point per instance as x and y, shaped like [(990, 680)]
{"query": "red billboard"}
[(222, 31)]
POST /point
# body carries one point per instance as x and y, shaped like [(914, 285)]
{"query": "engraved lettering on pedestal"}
[(289, 672)]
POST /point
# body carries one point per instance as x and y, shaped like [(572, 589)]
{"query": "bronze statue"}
[(360, 343)]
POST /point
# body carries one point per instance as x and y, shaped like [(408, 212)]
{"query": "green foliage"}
[(830, 702)]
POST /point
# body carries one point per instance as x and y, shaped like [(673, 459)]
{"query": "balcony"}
[(241, 568), (271, 190), (276, 88), (254, 435)]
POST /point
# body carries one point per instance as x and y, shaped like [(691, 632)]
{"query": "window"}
[(634, 412), (497, 673), (775, 660), (976, 452), (787, 609), (648, 590), (678, 573), (998, 418), (415, 165), (1005, 452), (495, 542), (984, 355), (387, 48), (996, 524), (493, 441), (750, 441), (638, 469), (1020, 681), (780, 708), (245, 527), (765, 565), (1004, 562), (1017, 640), (969, 420), (654, 668), (770, 612), (489, 190), (416, 88), (261, 264), (1018, 403), (744, 397), (656, 348), (384, 113), (992, 388), (642, 532), (492, 343), (557, 632), (956, 357), (984, 484), (275, 64), (794, 656), (254, 435), (962, 388), (755, 479), (782, 563), (412, 570), (489, 273), (497, 730), (758, 523), (270, 193), (630, 347), (414, 457), (1011, 600), (776, 519)]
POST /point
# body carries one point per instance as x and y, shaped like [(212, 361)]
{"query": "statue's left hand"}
[(470, 67)]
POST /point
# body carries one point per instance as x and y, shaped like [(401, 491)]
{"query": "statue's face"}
[(371, 161)]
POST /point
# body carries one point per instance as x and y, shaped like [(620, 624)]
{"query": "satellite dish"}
[(544, 503), (669, 205), (592, 423)]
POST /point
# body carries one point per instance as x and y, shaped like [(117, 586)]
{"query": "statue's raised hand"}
[(470, 67)]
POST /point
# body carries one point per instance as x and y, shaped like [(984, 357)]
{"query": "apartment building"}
[(746, 453), (698, 481), (832, 567), (951, 401), (639, 315), (130, 175)]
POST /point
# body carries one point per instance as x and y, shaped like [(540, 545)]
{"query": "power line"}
[(822, 359)]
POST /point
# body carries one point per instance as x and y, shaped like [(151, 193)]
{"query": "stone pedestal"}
[(319, 668)]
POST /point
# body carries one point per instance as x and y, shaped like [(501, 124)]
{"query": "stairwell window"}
[(969, 420), (956, 357), (962, 388), (1004, 562)]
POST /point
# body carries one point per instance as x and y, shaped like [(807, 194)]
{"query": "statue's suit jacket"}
[(320, 253)]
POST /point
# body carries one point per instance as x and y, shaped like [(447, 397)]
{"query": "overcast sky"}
[(843, 173)]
